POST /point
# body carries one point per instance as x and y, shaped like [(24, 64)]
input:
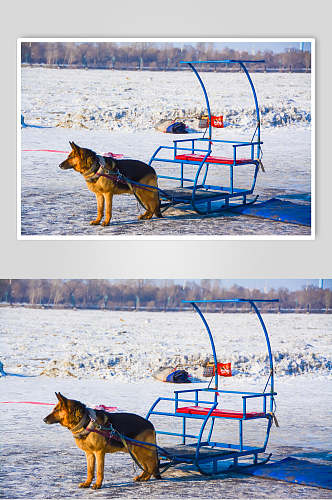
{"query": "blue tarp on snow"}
[(279, 210), (297, 471)]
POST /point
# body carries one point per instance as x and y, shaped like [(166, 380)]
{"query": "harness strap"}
[(112, 433), (117, 175), (125, 444), (132, 190), (274, 418), (113, 173), (84, 420), (88, 418), (261, 166), (101, 160), (92, 170), (143, 444), (98, 169)]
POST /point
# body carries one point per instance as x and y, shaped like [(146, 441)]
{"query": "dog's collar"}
[(106, 167), (101, 161), (99, 168), (93, 169), (85, 425)]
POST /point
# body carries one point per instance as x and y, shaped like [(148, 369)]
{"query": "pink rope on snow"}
[(107, 408)]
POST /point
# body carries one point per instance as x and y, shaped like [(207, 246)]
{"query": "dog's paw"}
[(95, 222), (84, 485), (96, 486), (142, 477), (105, 223), (145, 217)]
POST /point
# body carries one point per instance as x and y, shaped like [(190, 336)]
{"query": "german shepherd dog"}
[(100, 173), (84, 423)]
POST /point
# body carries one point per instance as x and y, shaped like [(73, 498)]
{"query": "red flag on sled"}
[(224, 369), (217, 121)]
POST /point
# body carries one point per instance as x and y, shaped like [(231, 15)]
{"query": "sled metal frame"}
[(205, 452), (198, 194)]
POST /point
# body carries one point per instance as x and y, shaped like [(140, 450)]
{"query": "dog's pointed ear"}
[(61, 398), (74, 147)]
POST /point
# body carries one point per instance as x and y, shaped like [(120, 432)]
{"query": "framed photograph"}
[(202, 138), (198, 383)]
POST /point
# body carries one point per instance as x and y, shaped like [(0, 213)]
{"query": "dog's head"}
[(67, 412), (79, 159)]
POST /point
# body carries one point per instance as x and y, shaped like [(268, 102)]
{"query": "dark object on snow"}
[(178, 377), (171, 374), (177, 128)]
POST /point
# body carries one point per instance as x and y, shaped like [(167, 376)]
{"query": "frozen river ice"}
[(104, 357), (118, 111)]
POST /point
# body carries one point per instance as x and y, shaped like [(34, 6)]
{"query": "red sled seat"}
[(213, 159), (202, 410)]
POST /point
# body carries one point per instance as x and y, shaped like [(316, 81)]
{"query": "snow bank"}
[(135, 368), (129, 346), (133, 101), (144, 118)]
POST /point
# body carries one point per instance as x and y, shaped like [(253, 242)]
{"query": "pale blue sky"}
[(291, 284), (262, 284)]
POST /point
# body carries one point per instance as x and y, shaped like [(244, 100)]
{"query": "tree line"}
[(153, 295), (151, 55)]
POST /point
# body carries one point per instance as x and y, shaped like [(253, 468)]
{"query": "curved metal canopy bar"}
[(252, 302), (242, 63), (225, 61)]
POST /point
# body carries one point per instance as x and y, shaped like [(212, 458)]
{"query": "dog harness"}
[(87, 424), (100, 168)]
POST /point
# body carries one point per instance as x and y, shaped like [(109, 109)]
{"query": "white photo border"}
[(170, 237)]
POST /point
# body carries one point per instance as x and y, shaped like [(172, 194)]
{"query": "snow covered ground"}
[(108, 358), (117, 111)]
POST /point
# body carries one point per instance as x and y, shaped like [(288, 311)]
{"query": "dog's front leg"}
[(108, 208), (90, 463), (100, 456), (100, 209)]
